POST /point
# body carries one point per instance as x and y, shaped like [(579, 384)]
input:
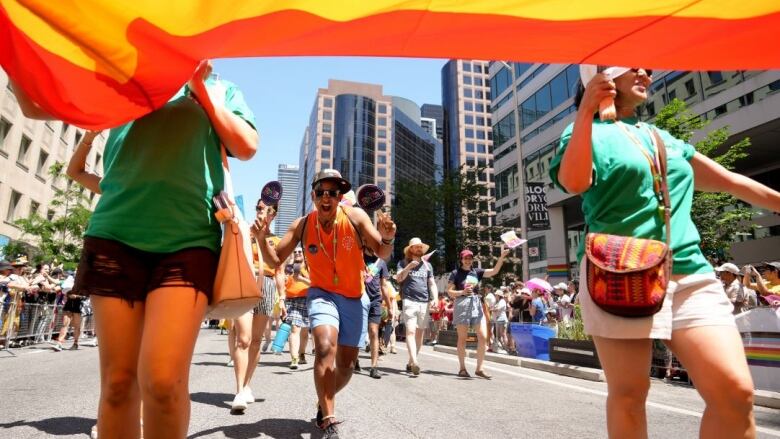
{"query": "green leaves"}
[(719, 217)]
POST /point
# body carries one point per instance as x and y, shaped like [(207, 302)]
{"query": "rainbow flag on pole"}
[(99, 63)]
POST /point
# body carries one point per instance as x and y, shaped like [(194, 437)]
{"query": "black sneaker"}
[(302, 358), (331, 431), (357, 366), (374, 373), (408, 368)]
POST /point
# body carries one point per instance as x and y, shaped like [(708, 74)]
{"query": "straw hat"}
[(416, 241)]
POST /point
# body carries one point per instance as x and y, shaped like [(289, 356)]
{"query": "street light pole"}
[(520, 171)]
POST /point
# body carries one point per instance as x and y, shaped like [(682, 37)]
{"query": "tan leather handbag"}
[(236, 288)]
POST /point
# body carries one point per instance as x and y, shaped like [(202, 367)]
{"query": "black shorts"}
[(73, 305), (375, 310), (112, 269)]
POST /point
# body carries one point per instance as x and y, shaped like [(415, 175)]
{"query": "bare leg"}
[(231, 339), (259, 322), (242, 327), (345, 364), (482, 339), (120, 327), (626, 365), (66, 318), (463, 331), (304, 340), (172, 323), (76, 328), (373, 338), (715, 360), (295, 342), (325, 345)]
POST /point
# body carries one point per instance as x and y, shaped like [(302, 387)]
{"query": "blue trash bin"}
[(531, 340)]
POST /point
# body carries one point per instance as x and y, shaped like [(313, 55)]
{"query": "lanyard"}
[(332, 259), (655, 165)]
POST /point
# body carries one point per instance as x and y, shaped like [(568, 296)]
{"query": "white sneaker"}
[(229, 363), (57, 346), (93, 434), (239, 403), (249, 397)]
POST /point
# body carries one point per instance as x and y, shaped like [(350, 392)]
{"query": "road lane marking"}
[(668, 408)]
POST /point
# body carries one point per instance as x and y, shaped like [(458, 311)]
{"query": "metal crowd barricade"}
[(25, 324)]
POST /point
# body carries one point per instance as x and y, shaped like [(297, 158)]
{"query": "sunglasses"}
[(333, 193), (298, 252), (648, 72), (259, 209)]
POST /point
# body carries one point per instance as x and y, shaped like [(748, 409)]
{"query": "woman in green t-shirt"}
[(151, 248), (603, 162)]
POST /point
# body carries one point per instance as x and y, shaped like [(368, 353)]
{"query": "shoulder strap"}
[(667, 204)]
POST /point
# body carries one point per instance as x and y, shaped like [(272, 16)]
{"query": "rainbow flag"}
[(558, 270), (762, 348), (98, 63)]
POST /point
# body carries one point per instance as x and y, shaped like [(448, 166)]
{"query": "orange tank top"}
[(296, 288), (336, 268)]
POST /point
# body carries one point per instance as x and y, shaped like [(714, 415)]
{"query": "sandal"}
[(481, 373), (464, 374)]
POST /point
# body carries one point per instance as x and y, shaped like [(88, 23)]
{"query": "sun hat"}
[(729, 268), (416, 241), (332, 175)]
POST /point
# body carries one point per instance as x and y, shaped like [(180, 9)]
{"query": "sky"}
[(281, 93)]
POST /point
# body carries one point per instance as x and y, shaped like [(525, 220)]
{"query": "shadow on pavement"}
[(64, 426), (211, 363), (221, 400), (273, 428)]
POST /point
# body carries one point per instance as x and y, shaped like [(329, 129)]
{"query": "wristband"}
[(388, 241)]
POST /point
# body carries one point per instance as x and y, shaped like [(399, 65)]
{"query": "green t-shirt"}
[(621, 199), (160, 173)]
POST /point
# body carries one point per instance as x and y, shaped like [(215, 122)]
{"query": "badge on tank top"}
[(347, 242), (312, 248)]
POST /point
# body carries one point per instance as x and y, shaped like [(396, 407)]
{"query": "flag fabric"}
[(99, 63)]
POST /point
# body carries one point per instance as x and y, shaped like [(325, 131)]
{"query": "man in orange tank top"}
[(332, 238)]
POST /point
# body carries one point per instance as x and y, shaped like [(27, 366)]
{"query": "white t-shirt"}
[(499, 313), (566, 308)]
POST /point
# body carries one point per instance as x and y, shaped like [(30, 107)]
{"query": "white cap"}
[(728, 267), (561, 286)]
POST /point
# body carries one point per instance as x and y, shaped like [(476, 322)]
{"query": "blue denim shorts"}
[(349, 316)]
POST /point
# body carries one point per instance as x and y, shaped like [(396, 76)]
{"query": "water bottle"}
[(282, 334)]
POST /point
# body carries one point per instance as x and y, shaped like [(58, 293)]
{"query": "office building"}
[(288, 177)]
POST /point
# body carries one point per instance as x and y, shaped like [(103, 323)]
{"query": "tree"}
[(718, 216), (58, 238), (450, 214)]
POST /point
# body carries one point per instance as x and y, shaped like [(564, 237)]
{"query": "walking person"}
[(375, 276), (296, 290), (71, 318), (332, 237), (151, 249), (614, 167), (419, 293), (248, 329), (500, 320), (463, 287)]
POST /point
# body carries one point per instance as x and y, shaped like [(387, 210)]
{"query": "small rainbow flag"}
[(762, 348), (558, 270)]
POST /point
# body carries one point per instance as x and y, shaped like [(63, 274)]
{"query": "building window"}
[(381, 172), (469, 133), (78, 138), (327, 102), (467, 93), (13, 204), (715, 77), (326, 140), (720, 110), (478, 82), (382, 134), (481, 148), (98, 158), (469, 119), (381, 109), (381, 121), (479, 94), (479, 108), (327, 128), (468, 106), (382, 146), (504, 129), (24, 150), (470, 147), (466, 81), (466, 66), (480, 135), (50, 214), (382, 159), (746, 100), (325, 153), (690, 88), (5, 129), (34, 206), (327, 115), (42, 159)]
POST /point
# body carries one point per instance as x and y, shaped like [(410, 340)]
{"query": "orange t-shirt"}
[(295, 289), (339, 273)]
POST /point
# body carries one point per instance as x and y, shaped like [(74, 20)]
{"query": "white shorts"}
[(415, 315), (691, 300)]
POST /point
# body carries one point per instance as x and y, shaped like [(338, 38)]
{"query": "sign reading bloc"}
[(536, 206)]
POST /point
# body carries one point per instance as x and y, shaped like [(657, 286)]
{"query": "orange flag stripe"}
[(112, 81)]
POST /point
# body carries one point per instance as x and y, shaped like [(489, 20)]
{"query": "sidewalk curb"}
[(584, 373), (765, 398)]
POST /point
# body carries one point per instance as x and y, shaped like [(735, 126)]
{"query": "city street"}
[(48, 394)]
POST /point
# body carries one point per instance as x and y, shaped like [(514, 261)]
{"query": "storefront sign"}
[(536, 206)]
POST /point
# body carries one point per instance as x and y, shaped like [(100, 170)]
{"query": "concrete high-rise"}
[(432, 120), (367, 136), (288, 177)]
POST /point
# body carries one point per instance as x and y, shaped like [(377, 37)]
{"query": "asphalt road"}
[(48, 394)]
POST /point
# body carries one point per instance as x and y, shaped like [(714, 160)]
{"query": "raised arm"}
[(710, 176), (238, 136), (575, 173), (433, 289), (275, 257), (495, 270), (401, 275), (379, 239), (77, 167)]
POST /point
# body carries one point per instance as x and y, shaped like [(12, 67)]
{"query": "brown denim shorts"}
[(113, 269)]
